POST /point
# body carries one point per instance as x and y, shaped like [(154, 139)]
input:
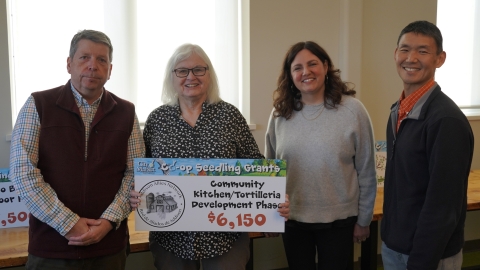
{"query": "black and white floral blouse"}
[(220, 132)]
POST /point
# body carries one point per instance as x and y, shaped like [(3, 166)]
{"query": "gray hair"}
[(169, 95), (92, 35)]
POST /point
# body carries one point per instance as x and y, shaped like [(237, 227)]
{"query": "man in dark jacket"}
[(430, 148), (71, 160)]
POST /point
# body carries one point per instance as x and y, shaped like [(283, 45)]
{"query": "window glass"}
[(144, 35), (459, 77)]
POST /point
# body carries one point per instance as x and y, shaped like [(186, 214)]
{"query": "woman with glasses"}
[(195, 123), (326, 137)]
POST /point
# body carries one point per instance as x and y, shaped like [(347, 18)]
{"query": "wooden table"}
[(14, 241), (369, 247)]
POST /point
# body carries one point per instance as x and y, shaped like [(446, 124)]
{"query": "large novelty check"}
[(210, 194)]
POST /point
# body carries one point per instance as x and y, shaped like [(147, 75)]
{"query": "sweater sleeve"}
[(270, 139), (449, 151), (365, 166)]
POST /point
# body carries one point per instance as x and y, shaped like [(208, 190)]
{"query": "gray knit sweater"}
[(330, 161)]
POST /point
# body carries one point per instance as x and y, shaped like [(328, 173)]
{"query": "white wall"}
[(360, 37)]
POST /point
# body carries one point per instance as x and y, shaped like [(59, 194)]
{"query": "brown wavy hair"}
[(287, 97)]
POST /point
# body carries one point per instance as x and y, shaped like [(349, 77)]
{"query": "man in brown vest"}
[(71, 160)]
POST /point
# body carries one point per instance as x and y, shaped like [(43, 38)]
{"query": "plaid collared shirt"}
[(407, 103), (41, 200)]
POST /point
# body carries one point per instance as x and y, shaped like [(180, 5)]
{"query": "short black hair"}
[(425, 28)]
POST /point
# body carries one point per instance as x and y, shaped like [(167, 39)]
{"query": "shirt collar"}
[(407, 103), (80, 100)]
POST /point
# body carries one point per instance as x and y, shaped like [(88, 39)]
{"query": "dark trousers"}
[(333, 246), (109, 262)]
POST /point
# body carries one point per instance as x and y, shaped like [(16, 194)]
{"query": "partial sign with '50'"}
[(13, 212)]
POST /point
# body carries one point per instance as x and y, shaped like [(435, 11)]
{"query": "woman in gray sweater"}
[(325, 134)]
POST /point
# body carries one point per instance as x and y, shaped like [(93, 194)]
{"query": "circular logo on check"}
[(163, 205)]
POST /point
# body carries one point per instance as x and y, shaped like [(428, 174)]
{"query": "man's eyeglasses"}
[(183, 72)]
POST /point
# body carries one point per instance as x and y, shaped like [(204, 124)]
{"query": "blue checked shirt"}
[(39, 197)]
